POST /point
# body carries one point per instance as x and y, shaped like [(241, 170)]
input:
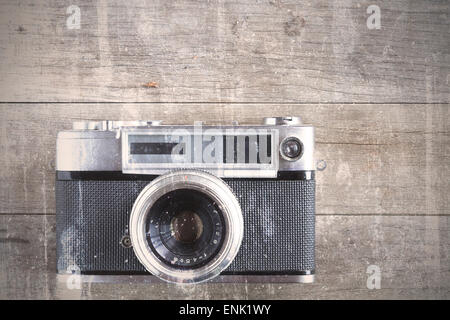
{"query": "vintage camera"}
[(187, 203)]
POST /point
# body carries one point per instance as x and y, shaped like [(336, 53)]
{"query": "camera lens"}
[(291, 148), (185, 228)]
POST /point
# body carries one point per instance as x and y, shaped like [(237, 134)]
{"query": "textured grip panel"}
[(278, 225), (92, 217)]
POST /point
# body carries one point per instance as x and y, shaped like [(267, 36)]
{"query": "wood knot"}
[(294, 26), (21, 29), (151, 84)]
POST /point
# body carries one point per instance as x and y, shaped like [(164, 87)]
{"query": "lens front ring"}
[(199, 181), (291, 148)]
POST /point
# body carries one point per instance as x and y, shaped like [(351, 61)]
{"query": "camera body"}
[(187, 203)]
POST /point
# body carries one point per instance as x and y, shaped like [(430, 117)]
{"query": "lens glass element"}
[(185, 228)]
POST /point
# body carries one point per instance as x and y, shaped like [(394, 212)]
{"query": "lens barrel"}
[(186, 226)]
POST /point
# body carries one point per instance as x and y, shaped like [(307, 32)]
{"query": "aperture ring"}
[(200, 181)]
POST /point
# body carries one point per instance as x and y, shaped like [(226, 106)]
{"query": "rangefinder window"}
[(154, 148), (255, 149), (227, 149), (223, 151)]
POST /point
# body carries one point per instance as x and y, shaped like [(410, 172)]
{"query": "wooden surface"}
[(379, 100), (412, 253), (233, 51), (381, 159)]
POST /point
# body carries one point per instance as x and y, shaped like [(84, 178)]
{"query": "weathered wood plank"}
[(218, 51), (381, 159), (412, 253)]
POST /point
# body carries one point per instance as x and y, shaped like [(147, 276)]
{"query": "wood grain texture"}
[(379, 100), (381, 159), (412, 253), (225, 51)]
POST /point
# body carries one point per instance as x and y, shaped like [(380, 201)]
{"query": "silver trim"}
[(285, 157), (158, 164), (196, 180), (131, 279), (96, 150), (109, 125), (88, 150)]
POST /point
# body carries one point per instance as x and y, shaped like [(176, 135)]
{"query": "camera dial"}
[(109, 125), (288, 121)]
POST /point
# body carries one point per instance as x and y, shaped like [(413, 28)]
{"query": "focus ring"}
[(200, 181)]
